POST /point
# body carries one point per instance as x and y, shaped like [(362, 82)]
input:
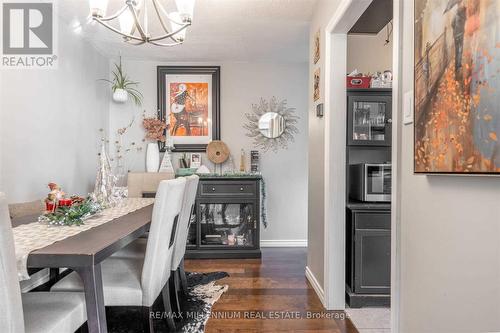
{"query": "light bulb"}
[(126, 22), (98, 7), (186, 9), (175, 23)]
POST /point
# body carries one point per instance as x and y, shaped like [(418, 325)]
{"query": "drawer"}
[(241, 189), (372, 220)]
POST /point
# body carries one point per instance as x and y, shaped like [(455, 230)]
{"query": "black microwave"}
[(370, 182)]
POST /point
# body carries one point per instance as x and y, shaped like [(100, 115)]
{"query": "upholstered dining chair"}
[(42, 312), (137, 249), (139, 281)]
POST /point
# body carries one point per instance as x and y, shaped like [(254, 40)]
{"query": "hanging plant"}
[(122, 86)]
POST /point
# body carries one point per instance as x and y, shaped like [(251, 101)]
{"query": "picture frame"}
[(316, 82), (317, 47), (456, 125), (195, 160), (188, 100)]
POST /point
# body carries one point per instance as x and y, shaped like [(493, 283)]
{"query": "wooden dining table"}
[(84, 253)]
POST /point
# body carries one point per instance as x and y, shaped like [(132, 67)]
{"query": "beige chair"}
[(137, 281), (32, 312), (17, 210), (145, 182)]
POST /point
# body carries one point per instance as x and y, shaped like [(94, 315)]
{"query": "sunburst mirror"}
[(272, 125)]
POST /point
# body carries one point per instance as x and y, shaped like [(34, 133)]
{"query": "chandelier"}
[(134, 19)]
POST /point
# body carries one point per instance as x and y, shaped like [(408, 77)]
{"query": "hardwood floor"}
[(269, 295)]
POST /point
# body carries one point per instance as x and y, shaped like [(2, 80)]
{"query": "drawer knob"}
[(213, 189), (241, 188)]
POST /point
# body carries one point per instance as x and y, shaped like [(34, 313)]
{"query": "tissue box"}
[(358, 82)]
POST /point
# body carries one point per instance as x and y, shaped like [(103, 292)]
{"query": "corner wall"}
[(49, 122), (450, 232)]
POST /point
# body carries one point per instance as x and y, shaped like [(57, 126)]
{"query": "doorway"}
[(336, 194)]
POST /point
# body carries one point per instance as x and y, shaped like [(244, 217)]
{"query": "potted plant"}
[(122, 86)]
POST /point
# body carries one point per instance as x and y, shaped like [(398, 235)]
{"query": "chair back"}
[(182, 231), (11, 307), (140, 182), (158, 257)]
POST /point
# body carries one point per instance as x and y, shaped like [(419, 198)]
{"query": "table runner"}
[(33, 236)]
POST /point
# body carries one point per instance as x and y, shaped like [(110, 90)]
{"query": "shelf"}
[(354, 204)]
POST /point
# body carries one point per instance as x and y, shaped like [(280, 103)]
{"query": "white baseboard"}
[(316, 286), (283, 243)]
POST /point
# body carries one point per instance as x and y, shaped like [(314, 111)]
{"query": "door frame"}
[(335, 105)]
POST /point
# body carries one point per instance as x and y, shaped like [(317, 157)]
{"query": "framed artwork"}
[(316, 94), (457, 87), (189, 102), (195, 160), (317, 48)]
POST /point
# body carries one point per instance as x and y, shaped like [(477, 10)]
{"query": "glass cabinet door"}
[(227, 224), (370, 120), (191, 239)]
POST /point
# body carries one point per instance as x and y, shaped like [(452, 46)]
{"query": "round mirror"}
[(272, 125)]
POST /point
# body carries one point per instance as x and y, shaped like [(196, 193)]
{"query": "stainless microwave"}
[(370, 182)]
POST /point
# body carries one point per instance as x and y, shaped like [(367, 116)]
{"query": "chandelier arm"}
[(117, 31), (137, 23), (115, 15), (170, 34), (156, 5), (132, 43), (164, 44)]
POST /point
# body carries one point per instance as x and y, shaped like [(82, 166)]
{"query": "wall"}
[(49, 122), (368, 53), (450, 231), (242, 84), (316, 200)]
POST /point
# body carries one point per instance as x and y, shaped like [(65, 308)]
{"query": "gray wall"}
[(315, 233), (450, 232), (242, 84), (368, 53), (49, 122)]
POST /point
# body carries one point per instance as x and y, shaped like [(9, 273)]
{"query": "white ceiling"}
[(222, 30)]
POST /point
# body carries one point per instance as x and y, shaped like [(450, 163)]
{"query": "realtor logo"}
[(28, 35)]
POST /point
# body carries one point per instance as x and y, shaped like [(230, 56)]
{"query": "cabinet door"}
[(372, 261), (369, 120), (228, 224)]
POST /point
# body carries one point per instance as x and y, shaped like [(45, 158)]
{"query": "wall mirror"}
[(272, 125)]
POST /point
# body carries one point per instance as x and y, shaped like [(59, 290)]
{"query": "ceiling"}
[(222, 30)]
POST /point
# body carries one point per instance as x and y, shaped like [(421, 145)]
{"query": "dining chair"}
[(43, 312), (139, 281), (178, 277)]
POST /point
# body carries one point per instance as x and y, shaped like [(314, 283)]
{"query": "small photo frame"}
[(195, 160), (317, 47), (316, 85)]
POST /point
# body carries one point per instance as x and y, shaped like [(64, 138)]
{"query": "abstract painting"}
[(317, 48), (457, 86), (188, 101)]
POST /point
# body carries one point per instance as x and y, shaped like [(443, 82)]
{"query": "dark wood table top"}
[(93, 245)]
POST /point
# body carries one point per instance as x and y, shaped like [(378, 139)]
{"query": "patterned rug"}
[(203, 293)]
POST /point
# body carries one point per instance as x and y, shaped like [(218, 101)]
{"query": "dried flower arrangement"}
[(155, 128)]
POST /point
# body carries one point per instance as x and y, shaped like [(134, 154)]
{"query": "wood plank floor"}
[(269, 295)]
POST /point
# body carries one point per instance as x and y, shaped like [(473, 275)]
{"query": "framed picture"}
[(317, 48), (457, 87), (189, 102), (195, 160), (316, 94)]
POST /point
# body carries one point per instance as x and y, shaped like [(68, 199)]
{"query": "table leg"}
[(94, 298)]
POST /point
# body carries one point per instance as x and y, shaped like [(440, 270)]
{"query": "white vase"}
[(120, 96), (152, 157)]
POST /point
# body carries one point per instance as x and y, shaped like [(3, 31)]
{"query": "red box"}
[(358, 82)]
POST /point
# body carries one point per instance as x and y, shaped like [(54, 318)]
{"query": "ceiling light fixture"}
[(133, 21)]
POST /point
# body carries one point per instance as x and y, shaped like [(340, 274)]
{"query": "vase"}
[(152, 157), (120, 95)]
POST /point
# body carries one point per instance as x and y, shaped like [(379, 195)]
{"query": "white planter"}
[(152, 157), (120, 96)]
